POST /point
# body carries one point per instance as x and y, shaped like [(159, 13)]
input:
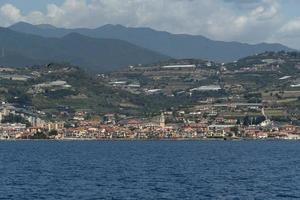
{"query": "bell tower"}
[(162, 121)]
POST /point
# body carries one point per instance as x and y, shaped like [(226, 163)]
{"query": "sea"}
[(94, 170)]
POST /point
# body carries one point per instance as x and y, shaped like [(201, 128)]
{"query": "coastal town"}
[(254, 98), (169, 125)]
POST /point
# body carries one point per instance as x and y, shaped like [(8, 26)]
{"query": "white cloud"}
[(292, 28), (288, 33), (257, 22), (10, 14)]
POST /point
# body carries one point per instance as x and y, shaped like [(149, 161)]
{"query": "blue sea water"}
[(150, 170)]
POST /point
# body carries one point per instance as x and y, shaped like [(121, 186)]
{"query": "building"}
[(162, 121), (58, 126), (288, 128)]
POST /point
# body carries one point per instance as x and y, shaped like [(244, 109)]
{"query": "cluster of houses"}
[(108, 128), (205, 121), (159, 129), (26, 128)]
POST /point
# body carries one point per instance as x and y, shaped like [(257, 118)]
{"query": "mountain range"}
[(173, 45), (22, 49), (111, 47)]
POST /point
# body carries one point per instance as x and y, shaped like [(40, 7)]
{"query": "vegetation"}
[(61, 90), (11, 118)]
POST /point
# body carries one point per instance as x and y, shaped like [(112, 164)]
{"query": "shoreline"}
[(153, 140)]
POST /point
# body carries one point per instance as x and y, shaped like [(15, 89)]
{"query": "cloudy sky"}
[(251, 21)]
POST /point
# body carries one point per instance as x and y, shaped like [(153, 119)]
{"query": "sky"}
[(251, 21)]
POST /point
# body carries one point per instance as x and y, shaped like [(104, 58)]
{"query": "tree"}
[(11, 118), (247, 121), (39, 136), (235, 129), (53, 133), (259, 119)]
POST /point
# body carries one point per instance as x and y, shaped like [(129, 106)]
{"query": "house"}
[(288, 128)]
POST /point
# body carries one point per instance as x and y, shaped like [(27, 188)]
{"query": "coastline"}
[(151, 140)]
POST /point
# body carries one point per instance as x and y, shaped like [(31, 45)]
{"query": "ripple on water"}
[(150, 170)]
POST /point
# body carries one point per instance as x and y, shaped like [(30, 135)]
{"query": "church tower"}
[(162, 121)]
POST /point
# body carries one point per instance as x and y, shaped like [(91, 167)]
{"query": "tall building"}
[(162, 121)]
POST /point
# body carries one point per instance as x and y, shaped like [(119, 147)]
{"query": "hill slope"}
[(21, 49), (173, 45)]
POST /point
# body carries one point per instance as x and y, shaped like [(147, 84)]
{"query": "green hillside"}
[(20, 49)]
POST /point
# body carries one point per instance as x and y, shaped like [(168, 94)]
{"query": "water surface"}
[(150, 170)]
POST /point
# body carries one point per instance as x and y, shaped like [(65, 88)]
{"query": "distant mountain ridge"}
[(174, 45), (22, 49)]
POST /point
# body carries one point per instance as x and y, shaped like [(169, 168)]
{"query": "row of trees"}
[(247, 120), (11, 118)]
